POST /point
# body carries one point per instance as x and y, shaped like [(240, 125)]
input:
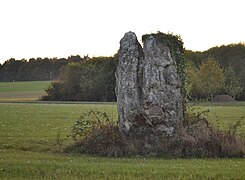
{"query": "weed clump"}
[(198, 139), (95, 134)]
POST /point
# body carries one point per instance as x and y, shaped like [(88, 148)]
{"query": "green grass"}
[(32, 165), (22, 91), (37, 126), (222, 116), (32, 136)]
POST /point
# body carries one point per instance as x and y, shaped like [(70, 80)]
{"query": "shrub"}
[(54, 91), (103, 141), (198, 139), (95, 134)]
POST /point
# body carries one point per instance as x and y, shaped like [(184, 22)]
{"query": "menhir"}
[(148, 91)]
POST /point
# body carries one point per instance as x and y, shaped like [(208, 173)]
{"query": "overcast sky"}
[(60, 28)]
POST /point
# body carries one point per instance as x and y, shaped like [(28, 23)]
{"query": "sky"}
[(60, 28)]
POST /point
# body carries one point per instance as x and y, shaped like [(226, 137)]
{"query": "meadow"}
[(22, 91), (32, 136)]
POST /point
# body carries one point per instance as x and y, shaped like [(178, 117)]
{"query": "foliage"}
[(96, 134), (94, 79), (35, 69), (229, 56), (55, 91), (211, 77), (88, 122), (232, 85), (232, 55), (90, 80), (193, 85), (199, 139), (209, 80)]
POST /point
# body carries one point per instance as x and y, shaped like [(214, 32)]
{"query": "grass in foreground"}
[(22, 91), (32, 165)]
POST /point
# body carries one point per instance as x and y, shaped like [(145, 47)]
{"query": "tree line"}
[(90, 80), (209, 79), (38, 69), (219, 70)]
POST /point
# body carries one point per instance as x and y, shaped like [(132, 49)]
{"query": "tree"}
[(55, 91), (193, 86), (232, 85), (10, 69), (89, 80), (1, 72), (227, 55), (212, 78)]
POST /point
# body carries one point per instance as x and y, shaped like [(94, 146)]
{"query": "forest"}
[(219, 70), (39, 69)]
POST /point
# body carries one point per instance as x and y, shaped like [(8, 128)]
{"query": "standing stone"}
[(148, 91), (162, 100), (128, 88)]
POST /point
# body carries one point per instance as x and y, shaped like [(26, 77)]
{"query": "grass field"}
[(36, 126), (222, 116), (33, 165), (22, 91), (32, 136)]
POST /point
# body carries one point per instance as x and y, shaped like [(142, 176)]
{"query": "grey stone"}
[(128, 85), (148, 90)]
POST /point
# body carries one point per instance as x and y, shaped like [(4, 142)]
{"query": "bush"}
[(95, 134), (103, 141), (198, 139), (54, 91)]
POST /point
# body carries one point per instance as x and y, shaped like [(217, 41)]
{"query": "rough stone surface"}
[(148, 90)]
